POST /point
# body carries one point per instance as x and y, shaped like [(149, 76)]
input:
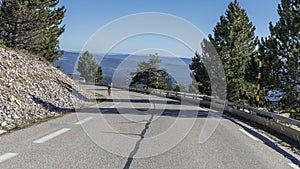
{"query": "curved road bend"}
[(83, 141)]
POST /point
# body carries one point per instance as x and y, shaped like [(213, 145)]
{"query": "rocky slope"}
[(31, 89)]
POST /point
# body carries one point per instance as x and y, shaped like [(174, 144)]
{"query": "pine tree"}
[(235, 42), (98, 76), (149, 75), (33, 26), (88, 68), (200, 75), (16, 19), (208, 72), (282, 48), (52, 30), (180, 88), (271, 73)]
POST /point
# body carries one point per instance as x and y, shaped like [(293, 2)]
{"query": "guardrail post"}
[(237, 106)]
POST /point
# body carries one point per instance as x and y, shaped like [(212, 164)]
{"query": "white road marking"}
[(113, 106), (50, 136), (248, 134), (294, 166), (214, 111), (7, 156), (84, 120)]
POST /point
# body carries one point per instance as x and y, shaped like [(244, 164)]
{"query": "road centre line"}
[(52, 135), (248, 134), (7, 156), (84, 120)]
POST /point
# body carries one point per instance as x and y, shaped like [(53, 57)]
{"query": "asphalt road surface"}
[(137, 131)]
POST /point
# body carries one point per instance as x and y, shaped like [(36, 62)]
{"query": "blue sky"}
[(84, 18)]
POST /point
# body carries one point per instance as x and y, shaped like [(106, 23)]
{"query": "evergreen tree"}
[(180, 88), (98, 76), (282, 49), (271, 74), (149, 75), (208, 72), (52, 30), (32, 25), (199, 74), (88, 68), (235, 42), (16, 19)]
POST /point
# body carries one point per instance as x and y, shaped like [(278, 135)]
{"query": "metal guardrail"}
[(280, 124), (251, 110)]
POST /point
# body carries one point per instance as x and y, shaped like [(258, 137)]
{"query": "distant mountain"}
[(116, 67)]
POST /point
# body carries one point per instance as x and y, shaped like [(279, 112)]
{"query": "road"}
[(137, 131)]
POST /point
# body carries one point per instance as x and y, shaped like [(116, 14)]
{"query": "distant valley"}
[(116, 67)]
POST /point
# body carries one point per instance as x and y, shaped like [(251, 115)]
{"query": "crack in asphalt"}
[(137, 145)]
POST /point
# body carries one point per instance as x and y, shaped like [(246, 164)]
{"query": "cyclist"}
[(109, 88)]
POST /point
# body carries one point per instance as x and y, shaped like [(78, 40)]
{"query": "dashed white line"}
[(294, 166), (7, 156), (84, 120), (248, 134), (50, 136)]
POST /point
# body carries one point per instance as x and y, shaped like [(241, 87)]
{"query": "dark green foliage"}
[(2, 45), (180, 88), (88, 68), (177, 88), (271, 76), (235, 42), (149, 75), (286, 33), (199, 74), (98, 76), (208, 72), (252, 68), (32, 25), (281, 53)]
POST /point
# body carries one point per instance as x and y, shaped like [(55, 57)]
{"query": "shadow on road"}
[(49, 106), (172, 112), (178, 113), (146, 101), (159, 112), (96, 89)]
